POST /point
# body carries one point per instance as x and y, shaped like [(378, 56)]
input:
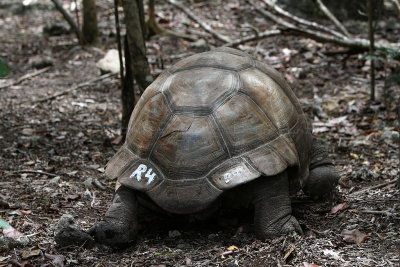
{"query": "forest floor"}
[(50, 149)]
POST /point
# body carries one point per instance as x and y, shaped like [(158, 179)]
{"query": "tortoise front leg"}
[(119, 226), (323, 175), (272, 207)]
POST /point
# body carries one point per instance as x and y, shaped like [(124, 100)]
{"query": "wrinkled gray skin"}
[(269, 195)]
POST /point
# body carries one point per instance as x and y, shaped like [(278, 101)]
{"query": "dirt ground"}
[(49, 149)]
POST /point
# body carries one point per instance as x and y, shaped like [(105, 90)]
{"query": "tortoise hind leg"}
[(323, 175), (119, 226), (272, 207)]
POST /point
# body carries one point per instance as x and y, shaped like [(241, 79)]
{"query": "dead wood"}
[(71, 89), (332, 17), (36, 172), (26, 76), (379, 212), (256, 37), (397, 5), (205, 26), (68, 18), (291, 29), (375, 187), (157, 29), (304, 22)]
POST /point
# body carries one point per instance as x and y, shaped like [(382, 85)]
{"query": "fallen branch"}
[(397, 5), (332, 17), (291, 29), (68, 18), (205, 26), (26, 76), (98, 184), (253, 38), (299, 20), (36, 172), (379, 212), (157, 29), (375, 187), (54, 96)]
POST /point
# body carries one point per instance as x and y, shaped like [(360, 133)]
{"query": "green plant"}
[(4, 70)]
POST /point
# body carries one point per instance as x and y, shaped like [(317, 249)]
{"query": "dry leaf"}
[(231, 248), (117, 140), (288, 253), (20, 212), (339, 207), (8, 230), (57, 260), (30, 253), (12, 232), (353, 236), (354, 156)]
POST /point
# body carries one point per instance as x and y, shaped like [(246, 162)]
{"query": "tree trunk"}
[(128, 93), (89, 28), (136, 32)]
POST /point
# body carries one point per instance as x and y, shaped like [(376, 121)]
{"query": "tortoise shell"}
[(211, 122)]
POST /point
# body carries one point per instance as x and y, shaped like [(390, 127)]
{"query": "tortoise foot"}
[(119, 227), (291, 226), (113, 233), (281, 227), (321, 182)]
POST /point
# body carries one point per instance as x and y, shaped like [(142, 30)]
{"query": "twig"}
[(397, 5), (98, 184), (54, 96), (332, 17), (205, 26), (157, 29), (36, 172), (253, 38), (371, 48), (383, 212), (67, 17), (93, 199), (375, 187), (26, 76), (302, 21)]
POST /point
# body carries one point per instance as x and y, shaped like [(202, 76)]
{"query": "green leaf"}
[(4, 71), (4, 224)]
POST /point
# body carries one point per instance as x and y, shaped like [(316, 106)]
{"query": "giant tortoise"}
[(214, 124)]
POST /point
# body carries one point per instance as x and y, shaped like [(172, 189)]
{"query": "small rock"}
[(317, 108), (40, 62), (212, 236), (379, 124), (7, 243), (88, 183), (174, 233), (68, 234), (109, 63), (387, 134), (330, 106), (55, 29), (66, 220), (183, 246), (55, 181), (364, 173), (199, 44)]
